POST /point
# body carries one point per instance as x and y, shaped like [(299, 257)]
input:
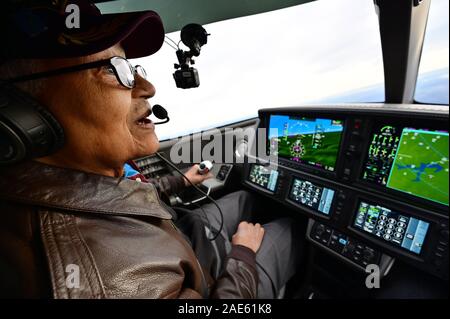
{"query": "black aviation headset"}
[(27, 129)]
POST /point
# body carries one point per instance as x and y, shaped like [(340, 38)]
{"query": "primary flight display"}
[(311, 141)]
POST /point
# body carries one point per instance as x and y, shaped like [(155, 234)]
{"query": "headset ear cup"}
[(12, 148), (55, 128), (27, 129)]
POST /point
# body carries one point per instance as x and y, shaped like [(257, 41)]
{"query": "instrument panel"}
[(377, 174)]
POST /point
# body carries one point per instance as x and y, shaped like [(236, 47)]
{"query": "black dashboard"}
[(373, 179)]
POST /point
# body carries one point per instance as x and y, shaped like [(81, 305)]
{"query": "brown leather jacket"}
[(116, 231)]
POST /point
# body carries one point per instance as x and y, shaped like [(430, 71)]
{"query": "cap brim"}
[(140, 33), (144, 35)]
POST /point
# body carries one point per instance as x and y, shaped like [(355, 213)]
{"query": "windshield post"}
[(402, 31)]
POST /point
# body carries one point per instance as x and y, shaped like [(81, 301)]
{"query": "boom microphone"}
[(160, 113)]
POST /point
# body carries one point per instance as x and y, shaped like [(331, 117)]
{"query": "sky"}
[(299, 126), (288, 57)]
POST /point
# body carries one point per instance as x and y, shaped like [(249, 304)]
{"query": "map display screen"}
[(312, 141), (412, 161)]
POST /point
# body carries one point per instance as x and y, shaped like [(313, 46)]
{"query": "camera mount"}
[(194, 36)]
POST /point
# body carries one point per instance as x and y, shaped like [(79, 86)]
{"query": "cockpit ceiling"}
[(177, 13)]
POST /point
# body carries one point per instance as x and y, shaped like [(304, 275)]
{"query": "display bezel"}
[(367, 185), (306, 166)]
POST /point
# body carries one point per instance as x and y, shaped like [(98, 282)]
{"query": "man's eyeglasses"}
[(120, 67)]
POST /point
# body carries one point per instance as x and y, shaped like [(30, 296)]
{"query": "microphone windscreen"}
[(159, 111)]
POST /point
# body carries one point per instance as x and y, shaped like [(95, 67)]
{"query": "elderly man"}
[(72, 225)]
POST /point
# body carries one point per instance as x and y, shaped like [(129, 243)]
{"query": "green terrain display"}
[(301, 147), (420, 166), (312, 141)]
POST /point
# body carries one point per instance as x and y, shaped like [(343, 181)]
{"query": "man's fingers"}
[(242, 224), (209, 175), (249, 235), (245, 224)]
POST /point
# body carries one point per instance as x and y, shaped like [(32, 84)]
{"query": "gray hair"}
[(14, 68)]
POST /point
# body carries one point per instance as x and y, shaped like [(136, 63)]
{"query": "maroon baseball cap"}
[(43, 29)]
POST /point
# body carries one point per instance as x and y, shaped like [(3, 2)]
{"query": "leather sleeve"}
[(239, 278), (168, 185)]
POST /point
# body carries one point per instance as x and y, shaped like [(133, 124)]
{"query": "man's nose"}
[(143, 88)]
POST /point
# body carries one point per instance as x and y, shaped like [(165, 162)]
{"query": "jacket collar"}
[(49, 186)]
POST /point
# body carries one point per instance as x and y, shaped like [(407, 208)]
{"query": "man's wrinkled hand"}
[(248, 235), (194, 177)]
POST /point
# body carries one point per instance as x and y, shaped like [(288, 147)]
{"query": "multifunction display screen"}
[(409, 160), (316, 197), (264, 177), (396, 228)]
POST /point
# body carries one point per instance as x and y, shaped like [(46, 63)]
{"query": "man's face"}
[(102, 120)]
